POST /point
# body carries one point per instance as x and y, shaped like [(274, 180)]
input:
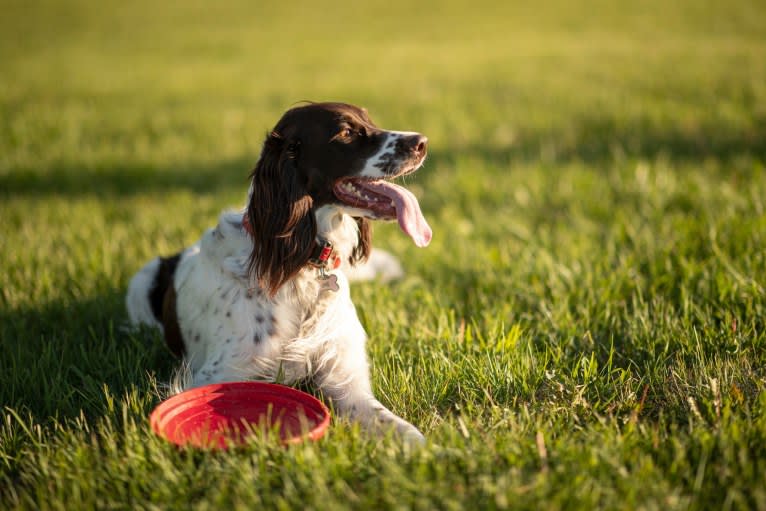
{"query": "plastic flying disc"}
[(223, 415)]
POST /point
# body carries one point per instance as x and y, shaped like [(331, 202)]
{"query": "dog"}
[(264, 295)]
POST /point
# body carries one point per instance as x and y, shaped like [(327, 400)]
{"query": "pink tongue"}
[(408, 213)]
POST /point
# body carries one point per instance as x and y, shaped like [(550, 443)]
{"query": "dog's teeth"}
[(351, 189)]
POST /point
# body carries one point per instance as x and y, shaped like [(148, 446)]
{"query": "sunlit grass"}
[(585, 331)]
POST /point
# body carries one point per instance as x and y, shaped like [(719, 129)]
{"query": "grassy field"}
[(587, 329)]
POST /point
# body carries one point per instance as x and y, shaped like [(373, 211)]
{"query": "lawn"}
[(586, 330)]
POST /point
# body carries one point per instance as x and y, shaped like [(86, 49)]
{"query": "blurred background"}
[(93, 91), (137, 122)]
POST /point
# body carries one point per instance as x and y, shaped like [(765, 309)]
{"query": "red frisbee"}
[(223, 415)]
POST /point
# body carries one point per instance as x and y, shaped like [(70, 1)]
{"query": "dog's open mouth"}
[(387, 201)]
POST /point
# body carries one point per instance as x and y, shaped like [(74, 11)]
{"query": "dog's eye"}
[(346, 132)]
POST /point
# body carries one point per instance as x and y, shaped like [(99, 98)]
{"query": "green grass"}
[(587, 329)]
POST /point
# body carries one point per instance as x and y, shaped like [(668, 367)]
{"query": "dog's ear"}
[(362, 249), (280, 214)]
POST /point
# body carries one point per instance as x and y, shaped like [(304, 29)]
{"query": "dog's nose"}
[(416, 143)]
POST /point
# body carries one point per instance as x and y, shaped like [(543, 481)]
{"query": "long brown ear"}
[(362, 249), (280, 213)]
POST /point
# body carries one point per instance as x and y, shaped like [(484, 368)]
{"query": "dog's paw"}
[(412, 436)]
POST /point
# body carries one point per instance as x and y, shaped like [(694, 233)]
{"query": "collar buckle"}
[(321, 259), (321, 256)]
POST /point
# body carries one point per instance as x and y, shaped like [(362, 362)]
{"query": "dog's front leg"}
[(346, 381)]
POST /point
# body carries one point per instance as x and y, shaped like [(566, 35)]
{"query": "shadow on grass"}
[(61, 358), (126, 179), (594, 141), (602, 140)]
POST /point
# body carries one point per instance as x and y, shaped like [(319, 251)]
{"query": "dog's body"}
[(263, 295)]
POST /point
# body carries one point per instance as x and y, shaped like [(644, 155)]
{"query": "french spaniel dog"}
[(264, 295)]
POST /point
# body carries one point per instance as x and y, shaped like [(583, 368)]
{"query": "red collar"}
[(323, 256)]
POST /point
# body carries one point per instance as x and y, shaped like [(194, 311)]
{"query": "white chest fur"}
[(233, 331)]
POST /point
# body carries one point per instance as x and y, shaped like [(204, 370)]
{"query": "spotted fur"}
[(245, 304)]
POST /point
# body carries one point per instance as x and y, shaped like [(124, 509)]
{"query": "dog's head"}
[(328, 154)]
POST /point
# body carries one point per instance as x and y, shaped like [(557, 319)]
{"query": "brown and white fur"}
[(248, 302)]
